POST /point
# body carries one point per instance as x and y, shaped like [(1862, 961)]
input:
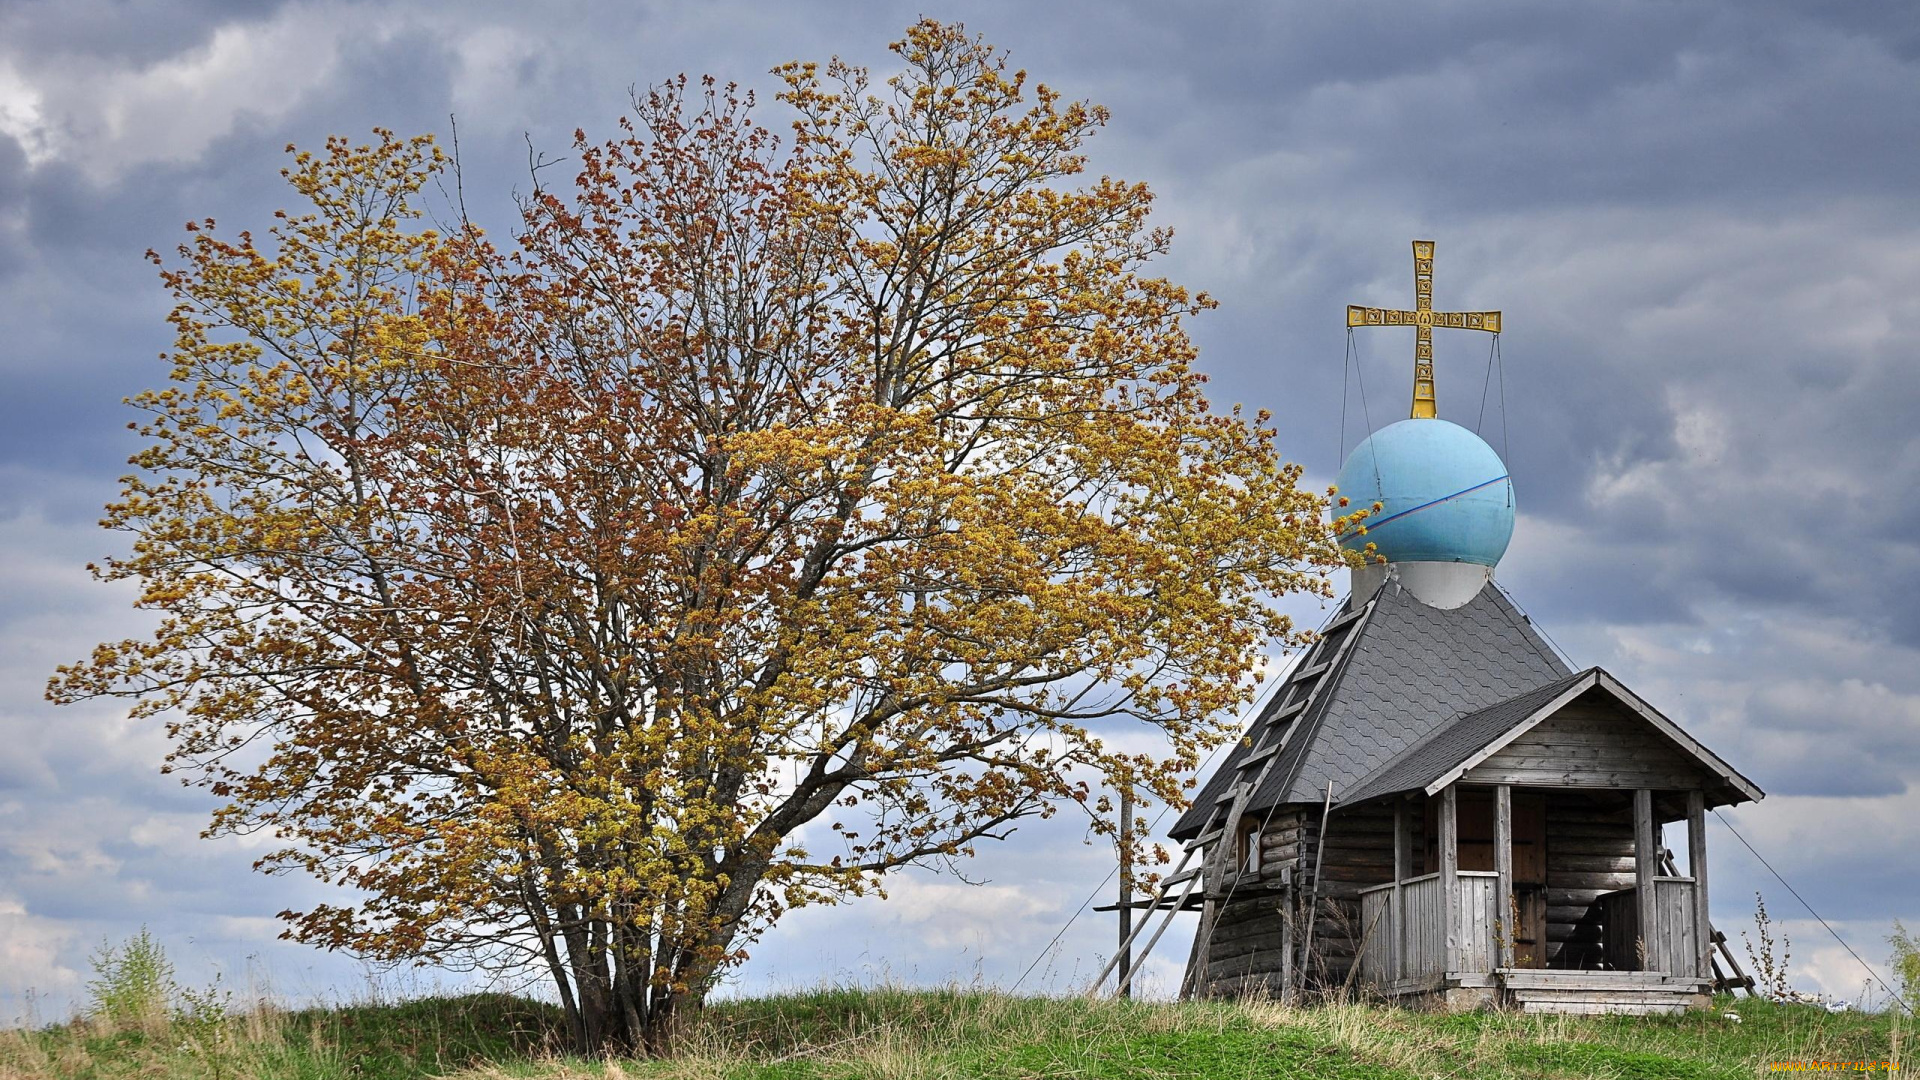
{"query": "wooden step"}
[(1343, 621), (1288, 711), (1258, 756), (1608, 1008), (1618, 993), (1313, 672), (1539, 978)]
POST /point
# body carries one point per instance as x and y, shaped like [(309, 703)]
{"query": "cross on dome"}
[(1423, 319)]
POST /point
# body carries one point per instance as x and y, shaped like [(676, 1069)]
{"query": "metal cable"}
[(1486, 385), (1871, 974), (1360, 376), (1346, 372), (1506, 454)]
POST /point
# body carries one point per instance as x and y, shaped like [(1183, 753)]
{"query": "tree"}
[(546, 595)]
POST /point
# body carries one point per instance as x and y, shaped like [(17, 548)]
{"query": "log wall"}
[(1247, 951), (1246, 947), (1589, 854)]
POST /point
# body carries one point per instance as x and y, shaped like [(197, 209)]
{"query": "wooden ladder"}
[(1215, 845)]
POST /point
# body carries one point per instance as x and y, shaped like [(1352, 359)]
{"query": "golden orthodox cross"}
[(1423, 319)]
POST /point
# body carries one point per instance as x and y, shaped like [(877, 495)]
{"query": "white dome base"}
[(1443, 585)]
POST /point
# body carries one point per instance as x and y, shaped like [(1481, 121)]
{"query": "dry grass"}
[(953, 1034)]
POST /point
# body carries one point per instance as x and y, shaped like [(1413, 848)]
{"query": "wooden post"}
[(1450, 874), (1646, 857), (1697, 864), (1126, 890), (1503, 866), (1402, 864), (1289, 911)]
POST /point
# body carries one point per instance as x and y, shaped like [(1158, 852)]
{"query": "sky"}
[(1697, 218)]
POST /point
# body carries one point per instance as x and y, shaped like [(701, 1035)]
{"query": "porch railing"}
[(1674, 944), (1404, 933)]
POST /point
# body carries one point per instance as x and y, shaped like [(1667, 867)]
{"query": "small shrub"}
[(1906, 964), (201, 1023), (1770, 956), (133, 982)]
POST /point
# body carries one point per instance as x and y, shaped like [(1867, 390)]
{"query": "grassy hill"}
[(955, 1034)]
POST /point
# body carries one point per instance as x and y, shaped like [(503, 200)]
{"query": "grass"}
[(952, 1035)]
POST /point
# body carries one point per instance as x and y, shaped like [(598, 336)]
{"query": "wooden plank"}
[(1449, 876), (1603, 758), (1621, 862), (1590, 888), (1551, 775), (1402, 869), (1503, 868), (1376, 936), (1646, 855), (1620, 1001), (1530, 979), (1289, 914), (1591, 734), (1680, 944), (1590, 830), (1476, 949), (1266, 941), (1597, 883), (1672, 731), (1566, 847), (1697, 864), (1580, 687), (1342, 622), (1594, 1009)]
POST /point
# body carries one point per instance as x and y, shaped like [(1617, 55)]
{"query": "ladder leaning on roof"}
[(1272, 734)]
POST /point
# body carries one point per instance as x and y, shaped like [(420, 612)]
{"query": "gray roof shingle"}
[(1456, 741), (1409, 672)]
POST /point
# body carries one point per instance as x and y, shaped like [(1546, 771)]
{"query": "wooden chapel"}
[(1433, 806)]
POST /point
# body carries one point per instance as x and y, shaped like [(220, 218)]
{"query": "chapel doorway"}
[(1475, 817)]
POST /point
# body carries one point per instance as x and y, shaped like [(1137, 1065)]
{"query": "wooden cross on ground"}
[(1423, 319)]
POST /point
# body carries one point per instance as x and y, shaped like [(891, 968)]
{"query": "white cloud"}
[(21, 118), (33, 953), (107, 117)]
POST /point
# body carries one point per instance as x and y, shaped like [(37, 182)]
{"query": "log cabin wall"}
[(1246, 954), (1248, 947), (1246, 951), (1589, 852)]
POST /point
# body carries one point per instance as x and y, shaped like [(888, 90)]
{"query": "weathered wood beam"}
[(1449, 826), (1503, 866), (1289, 911), (1697, 862), (1402, 870), (1646, 855)]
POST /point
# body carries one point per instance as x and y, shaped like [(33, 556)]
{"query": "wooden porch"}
[(1449, 938)]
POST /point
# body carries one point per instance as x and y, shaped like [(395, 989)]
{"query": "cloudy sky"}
[(1698, 218)]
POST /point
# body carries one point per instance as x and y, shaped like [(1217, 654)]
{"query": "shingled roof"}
[(1461, 742), (1409, 672), (1455, 740)]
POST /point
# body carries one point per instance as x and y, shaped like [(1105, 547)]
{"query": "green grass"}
[(957, 1034)]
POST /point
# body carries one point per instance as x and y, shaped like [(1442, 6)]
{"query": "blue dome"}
[(1446, 494)]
